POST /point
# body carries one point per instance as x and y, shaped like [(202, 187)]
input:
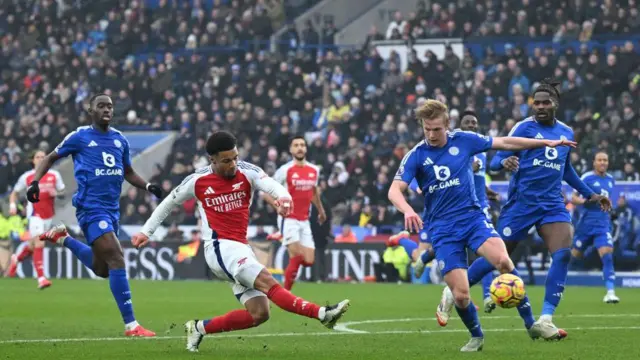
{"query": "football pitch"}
[(77, 319)]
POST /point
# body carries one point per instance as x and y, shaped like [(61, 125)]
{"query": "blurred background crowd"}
[(355, 107)]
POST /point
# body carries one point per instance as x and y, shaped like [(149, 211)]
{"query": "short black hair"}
[(549, 86), (221, 141), (600, 152), (300, 137), (469, 113), (96, 96)]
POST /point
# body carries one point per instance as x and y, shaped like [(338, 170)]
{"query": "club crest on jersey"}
[(454, 150), (236, 186), (117, 143)]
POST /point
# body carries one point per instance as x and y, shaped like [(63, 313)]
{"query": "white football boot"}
[(545, 329), (489, 305), (611, 298), (333, 313), (194, 337), (443, 312), (419, 266), (474, 344)]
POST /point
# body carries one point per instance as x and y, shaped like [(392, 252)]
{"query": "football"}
[(507, 290)]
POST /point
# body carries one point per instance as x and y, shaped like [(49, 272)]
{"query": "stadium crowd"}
[(354, 106)]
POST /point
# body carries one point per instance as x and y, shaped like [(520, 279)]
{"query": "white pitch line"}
[(240, 335), (345, 326)]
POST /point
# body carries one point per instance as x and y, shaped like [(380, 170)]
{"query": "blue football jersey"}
[(539, 177), (444, 173), (591, 213), (480, 180), (99, 160)]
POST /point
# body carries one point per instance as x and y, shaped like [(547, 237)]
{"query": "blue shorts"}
[(516, 219), (590, 235), (452, 238), (96, 224)]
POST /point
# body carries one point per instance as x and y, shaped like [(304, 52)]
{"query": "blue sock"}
[(556, 278), (428, 256), (608, 272), (478, 270), (486, 285), (120, 290), (408, 245), (524, 309), (81, 250), (470, 319)]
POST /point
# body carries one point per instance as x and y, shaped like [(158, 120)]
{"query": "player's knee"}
[(576, 253), (562, 256), (260, 315), (103, 272), (461, 297), (504, 264)]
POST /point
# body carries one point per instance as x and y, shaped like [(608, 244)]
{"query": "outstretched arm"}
[(183, 192), (510, 143)]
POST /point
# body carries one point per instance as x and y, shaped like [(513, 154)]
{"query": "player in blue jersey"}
[(101, 163), (535, 199), (594, 225), (441, 165)]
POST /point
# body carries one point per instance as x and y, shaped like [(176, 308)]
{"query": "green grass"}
[(74, 309)]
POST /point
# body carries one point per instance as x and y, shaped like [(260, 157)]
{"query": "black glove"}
[(155, 190), (33, 192)]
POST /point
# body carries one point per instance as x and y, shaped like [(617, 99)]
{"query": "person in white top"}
[(224, 192), (39, 215)]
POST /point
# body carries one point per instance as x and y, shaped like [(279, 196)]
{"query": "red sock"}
[(231, 321), (25, 253), (291, 303), (37, 261), (292, 271)]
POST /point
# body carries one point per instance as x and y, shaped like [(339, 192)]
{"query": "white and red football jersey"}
[(300, 181), (50, 184), (223, 203)]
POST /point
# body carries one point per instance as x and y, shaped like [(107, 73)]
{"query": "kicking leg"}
[(26, 251), (107, 249), (495, 251)]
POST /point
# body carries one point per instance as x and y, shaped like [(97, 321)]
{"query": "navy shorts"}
[(517, 218), (451, 238), (96, 224), (592, 235)]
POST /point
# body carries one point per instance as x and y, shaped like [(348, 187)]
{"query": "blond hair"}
[(432, 109)]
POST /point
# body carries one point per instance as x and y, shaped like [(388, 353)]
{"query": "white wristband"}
[(147, 186), (13, 206)]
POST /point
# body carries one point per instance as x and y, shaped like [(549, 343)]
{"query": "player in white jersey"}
[(300, 178), (224, 191), (39, 216)]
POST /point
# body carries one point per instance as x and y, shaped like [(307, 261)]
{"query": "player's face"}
[(435, 131), (469, 123), (298, 149), (543, 107), (37, 158), (102, 110), (226, 163), (601, 163)]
